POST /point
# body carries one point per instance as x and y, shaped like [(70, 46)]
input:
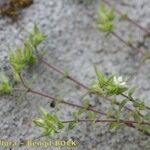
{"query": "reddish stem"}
[(126, 43), (106, 120), (62, 73), (129, 124), (75, 105)]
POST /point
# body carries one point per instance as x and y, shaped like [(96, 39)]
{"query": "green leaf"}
[(139, 104), (48, 132), (91, 115), (5, 86), (131, 91), (94, 123), (71, 125), (28, 54), (123, 103), (39, 122), (109, 27), (36, 37), (110, 111), (81, 111), (105, 19), (111, 14), (86, 104), (144, 128), (136, 117), (117, 115), (102, 79), (115, 89), (147, 116), (75, 115), (21, 58), (115, 126), (95, 88), (60, 125), (49, 122)]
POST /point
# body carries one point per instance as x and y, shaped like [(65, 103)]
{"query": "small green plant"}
[(105, 23), (124, 110), (112, 88)]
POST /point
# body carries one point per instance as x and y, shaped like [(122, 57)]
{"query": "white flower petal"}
[(115, 80), (123, 83), (120, 79)]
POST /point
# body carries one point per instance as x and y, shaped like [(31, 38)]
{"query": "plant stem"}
[(106, 120), (24, 84), (65, 102), (62, 73), (147, 31), (129, 124), (126, 43)]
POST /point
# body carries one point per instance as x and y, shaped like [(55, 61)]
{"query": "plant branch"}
[(147, 31), (62, 73), (129, 124), (24, 84), (126, 43), (79, 83), (106, 121)]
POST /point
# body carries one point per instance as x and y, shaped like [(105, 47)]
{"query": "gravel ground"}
[(74, 44)]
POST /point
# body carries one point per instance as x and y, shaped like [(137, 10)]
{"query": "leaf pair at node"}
[(108, 86), (21, 58), (50, 123), (105, 19), (36, 37), (25, 56)]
